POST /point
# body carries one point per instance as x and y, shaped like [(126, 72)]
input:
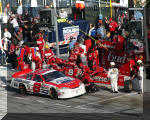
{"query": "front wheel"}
[(22, 89), (53, 94)]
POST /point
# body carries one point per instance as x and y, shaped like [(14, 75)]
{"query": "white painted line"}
[(19, 98), (40, 101), (62, 105)]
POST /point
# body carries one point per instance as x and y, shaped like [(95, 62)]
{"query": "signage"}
[(70, 32)]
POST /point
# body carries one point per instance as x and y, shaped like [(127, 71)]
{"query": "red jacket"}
[(112, 26), (73, 57), (49, 54), (40, 42), (90, 56), (120, 39)]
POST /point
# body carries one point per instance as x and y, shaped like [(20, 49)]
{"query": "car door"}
[(37, 83), (31, 83)]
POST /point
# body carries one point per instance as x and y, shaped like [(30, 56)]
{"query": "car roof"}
[(43, 71)]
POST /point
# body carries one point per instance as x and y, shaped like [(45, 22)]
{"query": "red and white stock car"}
[(48, 82)]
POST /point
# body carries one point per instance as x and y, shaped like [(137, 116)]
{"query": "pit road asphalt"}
[(102, 101)]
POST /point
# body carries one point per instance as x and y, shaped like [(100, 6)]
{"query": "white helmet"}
[(139, 61), (112, 63), (37, 48)]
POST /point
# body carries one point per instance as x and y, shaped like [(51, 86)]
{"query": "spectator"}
[(26, 33), (106, 24), (63, 14), (34, 8), (20, 8), (100, 32), (92, 33), (112, 27), (19, 37), (14, 23), (7, 10), (7, 13), (119, 29), (26, 18), (27, 7), (7, 37)]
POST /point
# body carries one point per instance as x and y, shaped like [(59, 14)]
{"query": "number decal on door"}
[(36, 87), (70, 72)]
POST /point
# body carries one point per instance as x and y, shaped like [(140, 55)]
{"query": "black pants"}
[(12, 58), (90, 64), (78, 61), (112, 35)]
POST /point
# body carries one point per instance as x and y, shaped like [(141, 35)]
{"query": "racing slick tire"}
[(128, 86), (22, 89), (53, 94)]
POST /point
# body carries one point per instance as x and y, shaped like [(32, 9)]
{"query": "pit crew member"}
[(140, 75), (49, 55), (113, 75)]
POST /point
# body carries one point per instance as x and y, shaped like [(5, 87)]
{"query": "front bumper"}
[(69, 93)]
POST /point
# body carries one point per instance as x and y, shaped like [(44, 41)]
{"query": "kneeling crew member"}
[(49, 55)]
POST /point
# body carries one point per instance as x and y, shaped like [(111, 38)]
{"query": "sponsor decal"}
[(117, 58), (100, 78), (70, 32)]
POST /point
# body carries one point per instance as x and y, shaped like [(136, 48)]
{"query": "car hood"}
[(66, 82)]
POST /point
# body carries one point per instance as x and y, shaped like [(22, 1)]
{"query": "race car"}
[(48, 82)]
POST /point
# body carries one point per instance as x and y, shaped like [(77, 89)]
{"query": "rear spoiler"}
[(21, 73)]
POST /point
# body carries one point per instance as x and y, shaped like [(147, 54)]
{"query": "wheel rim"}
[(53, 94)]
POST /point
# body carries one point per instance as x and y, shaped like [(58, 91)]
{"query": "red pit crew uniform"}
[(78, 50), (90, 59), (20, 58), (38, 61), (58, 64), (49, 55), (71, 69), (41, 44), (73, 58)]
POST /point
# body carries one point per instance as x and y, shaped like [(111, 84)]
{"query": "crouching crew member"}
[(90, 58), (49, 55), (37, 59), (86, 79), (113, 75), (140, 74)]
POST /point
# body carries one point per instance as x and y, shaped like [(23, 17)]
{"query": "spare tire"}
[(128, 86)]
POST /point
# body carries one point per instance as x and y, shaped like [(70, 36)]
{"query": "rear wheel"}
[(22, 89), (53, 94), (128, 86)]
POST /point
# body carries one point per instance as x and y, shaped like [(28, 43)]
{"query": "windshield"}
[(53, 75)]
